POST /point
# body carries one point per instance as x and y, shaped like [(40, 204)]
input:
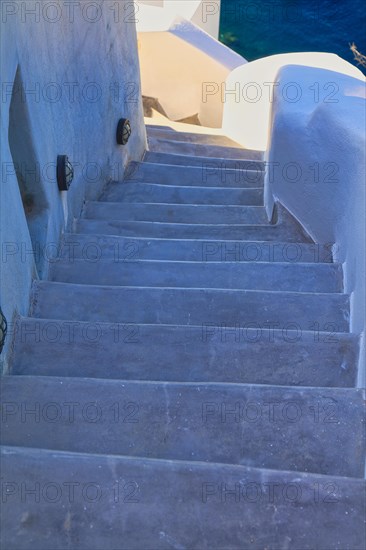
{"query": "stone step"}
[(149, 125), (252, 168), (232, 275), (161, 145), (279, 428), (176, 213), (156, 193), (284, 228), (159, 132), (133, 503), (180, 306), (207, 173), (188, 231), (244, 353), (95, 247), (141, 229), (202, 139)]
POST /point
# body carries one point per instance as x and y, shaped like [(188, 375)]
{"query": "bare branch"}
[(359, 57)]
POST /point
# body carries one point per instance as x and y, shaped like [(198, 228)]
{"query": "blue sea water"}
[(257, 28)]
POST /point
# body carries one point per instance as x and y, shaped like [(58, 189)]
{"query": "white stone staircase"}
[(187, 377)]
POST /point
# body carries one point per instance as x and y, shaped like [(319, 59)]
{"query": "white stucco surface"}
[(159, 15), (79, 72), (247, 93), (180, 68), (316, 159)]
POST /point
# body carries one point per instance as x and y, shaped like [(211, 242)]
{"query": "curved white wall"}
[(316, 168), (247, 111)]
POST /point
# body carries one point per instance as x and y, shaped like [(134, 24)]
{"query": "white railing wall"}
[(316, 169)]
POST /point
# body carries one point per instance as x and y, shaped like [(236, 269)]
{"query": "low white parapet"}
[(158, 15), (316, 167), (247, 93)]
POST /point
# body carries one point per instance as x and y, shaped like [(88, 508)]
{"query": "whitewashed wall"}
[(316, 169), (79, 69), (248, 93), (159, 15), (182, 68)]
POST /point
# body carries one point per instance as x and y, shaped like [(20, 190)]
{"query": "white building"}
[(70, 71)]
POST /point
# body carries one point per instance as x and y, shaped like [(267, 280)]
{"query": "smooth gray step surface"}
[(212, 232), (278, 428), (155, 504), (149, 125), (206, 353), (96, 247), (283, 228), (179, 306), (233, 275), (154, 192), (210, 165), (161, 145), (191, 137), (206, 173), (177, 213)]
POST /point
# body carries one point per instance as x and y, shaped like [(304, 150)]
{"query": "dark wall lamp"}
[(123, 131), (3, 330), (65, 173)]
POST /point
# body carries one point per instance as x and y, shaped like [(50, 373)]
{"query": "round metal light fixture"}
[(3, 330), (65, 173), (123, 131)]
